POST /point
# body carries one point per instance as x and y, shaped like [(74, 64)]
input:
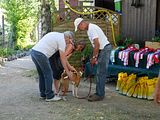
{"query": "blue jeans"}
[(102, 68), (45, 74)]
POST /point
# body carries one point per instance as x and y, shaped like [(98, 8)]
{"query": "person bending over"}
[(56, 64), (40, 54)]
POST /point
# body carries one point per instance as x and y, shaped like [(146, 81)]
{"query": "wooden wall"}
[(158, 15), (139, 23)]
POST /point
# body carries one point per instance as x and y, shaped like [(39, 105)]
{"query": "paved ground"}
[(19, 100)]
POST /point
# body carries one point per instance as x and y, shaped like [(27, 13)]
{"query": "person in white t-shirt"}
[(40, 54), (100, 56)]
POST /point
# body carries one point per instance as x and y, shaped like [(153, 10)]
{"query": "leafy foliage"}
[(53, 11), (156, 39), (119, 40), (128, 41), (123, 41), (4, 52), (22, 16)]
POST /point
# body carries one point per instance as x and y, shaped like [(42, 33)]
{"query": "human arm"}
[(64, 62), (95, 51), (69, 50), (68, 53)]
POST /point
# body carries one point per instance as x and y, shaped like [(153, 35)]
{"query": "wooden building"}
[(140, 20), (108, 4)]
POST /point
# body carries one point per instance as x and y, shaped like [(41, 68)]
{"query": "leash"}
[(90, 77)]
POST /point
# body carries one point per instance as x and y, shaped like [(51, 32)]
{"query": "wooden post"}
[(45, 17), (3, 32), (74, 3), (61, 4)]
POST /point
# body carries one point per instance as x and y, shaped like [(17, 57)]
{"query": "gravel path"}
[(19, 100)]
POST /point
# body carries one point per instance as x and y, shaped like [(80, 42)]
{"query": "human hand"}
[(70, 74), (73, 69), (83, 59), (93, 61)]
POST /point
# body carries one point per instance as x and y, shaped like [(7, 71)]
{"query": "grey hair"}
[(69, 34)]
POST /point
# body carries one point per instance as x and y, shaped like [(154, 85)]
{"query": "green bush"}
[(127, 42), (5, 52), (156, 39), (120, 41), (87, 51), (76, 57), (28, 47)]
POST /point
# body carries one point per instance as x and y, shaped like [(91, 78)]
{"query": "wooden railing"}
[(66, 15)]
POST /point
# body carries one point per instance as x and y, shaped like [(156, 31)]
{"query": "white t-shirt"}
[(94, 31), (50, 43)]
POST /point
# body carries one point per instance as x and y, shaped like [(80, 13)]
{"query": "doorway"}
[(108, 4), (158, 19)]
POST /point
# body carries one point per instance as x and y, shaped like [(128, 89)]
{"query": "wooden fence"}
[(139, 22)]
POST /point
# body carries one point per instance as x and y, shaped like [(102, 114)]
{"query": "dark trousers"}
[(45, 74), (102, 68)]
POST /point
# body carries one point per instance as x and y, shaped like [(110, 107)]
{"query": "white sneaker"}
[(55, 98)]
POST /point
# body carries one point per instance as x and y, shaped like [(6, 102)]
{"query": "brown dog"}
[(64, 83), (76, 77)]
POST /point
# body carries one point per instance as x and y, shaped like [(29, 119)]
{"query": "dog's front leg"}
[(76, 91), (64, 98), (73, 92)]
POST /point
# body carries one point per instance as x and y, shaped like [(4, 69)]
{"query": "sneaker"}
[(94, 97), (55, 98)]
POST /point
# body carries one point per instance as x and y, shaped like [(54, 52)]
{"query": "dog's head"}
[(76, 77)]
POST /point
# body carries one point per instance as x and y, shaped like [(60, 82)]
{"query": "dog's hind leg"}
[(59, 89), (64, 91)]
